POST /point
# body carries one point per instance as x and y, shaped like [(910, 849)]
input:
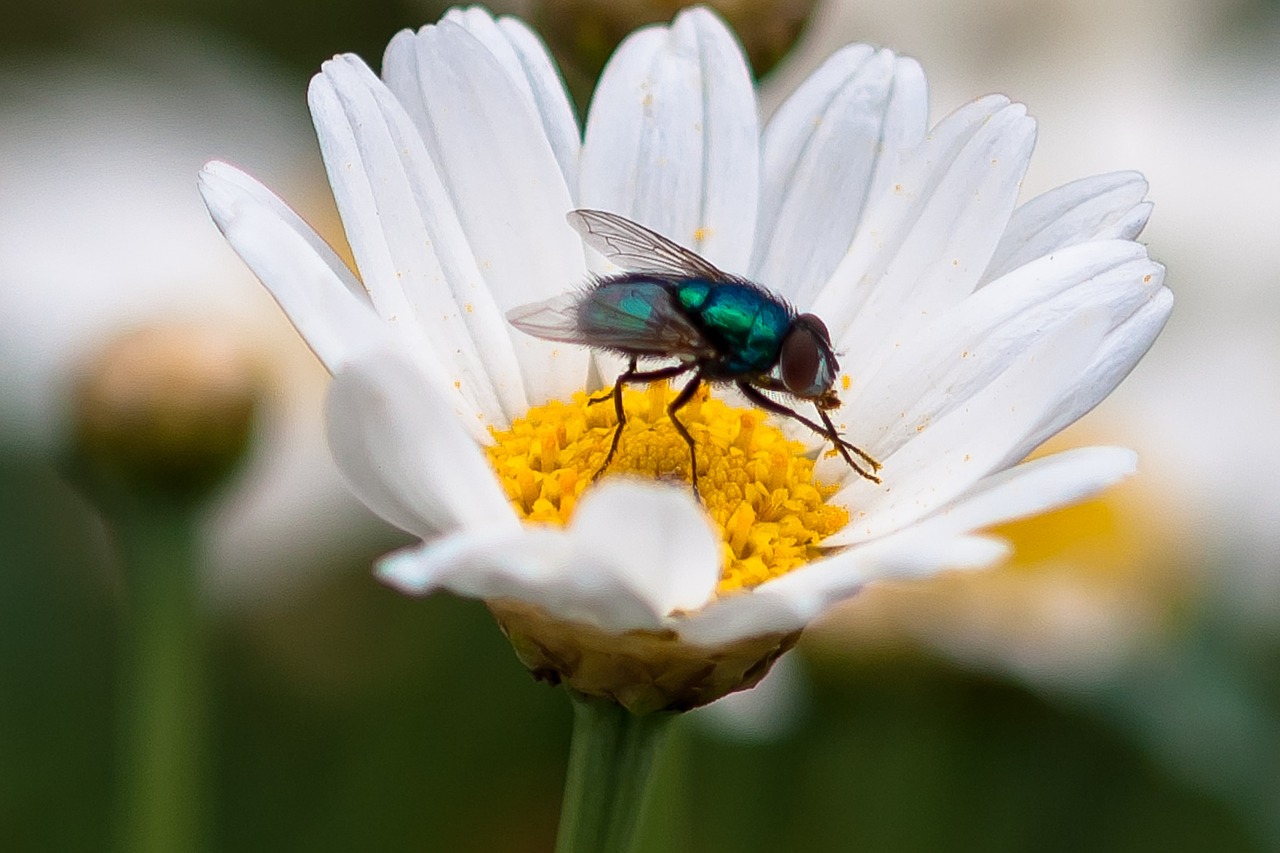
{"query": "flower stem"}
[(161, 720), (611, 763)]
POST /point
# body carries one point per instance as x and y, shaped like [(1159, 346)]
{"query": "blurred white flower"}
[(971, 331), (102, 232)]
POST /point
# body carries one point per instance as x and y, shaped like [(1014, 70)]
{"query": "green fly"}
[(670, 303)]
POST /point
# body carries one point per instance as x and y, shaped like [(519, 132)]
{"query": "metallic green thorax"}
[(743, 323)]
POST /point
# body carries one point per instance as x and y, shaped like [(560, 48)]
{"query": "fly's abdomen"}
[(621, 307), (637, 315)]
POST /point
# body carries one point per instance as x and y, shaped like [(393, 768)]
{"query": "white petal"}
[(502, 179), (404, 453), (924, 243), (794, 600), (835, 143), (634, 553), (354, 184), (904, 556), (323, 300), (672, 138), (940, 366), (234, 188), (664, 545), (407, 243), (1034, 487), (526, 62), (535, 565), (1096, 208), (540, 566), (951, 454), (1119, 353), (558, 117)]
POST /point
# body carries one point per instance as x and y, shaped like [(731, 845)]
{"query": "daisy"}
[(968, 330)]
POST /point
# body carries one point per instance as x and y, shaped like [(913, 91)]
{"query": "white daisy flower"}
[(968, 329)]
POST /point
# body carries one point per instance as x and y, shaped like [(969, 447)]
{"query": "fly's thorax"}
[(743, 323), (692, 294)]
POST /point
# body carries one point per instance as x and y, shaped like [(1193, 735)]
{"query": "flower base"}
[(643, 671)]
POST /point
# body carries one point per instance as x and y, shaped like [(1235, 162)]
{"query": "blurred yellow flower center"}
[(756, 485)]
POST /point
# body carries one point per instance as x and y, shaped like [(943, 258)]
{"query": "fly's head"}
[(806, 363)]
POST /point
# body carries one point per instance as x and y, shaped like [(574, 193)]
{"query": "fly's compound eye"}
[(806, 363)]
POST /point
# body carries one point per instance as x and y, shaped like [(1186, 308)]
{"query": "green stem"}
[(161, 697), (611, 763)]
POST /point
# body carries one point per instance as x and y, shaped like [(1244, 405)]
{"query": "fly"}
[(673, 304)]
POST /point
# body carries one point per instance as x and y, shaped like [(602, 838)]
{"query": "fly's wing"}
[(637, 249), (554, 319), (627, 314)]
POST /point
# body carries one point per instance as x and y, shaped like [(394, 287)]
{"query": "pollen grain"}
[(756, 485)]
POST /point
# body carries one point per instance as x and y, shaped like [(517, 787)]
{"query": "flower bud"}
[(583, 33), (165, 412)]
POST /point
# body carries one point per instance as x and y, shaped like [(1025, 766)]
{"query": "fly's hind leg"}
[(616, 391), (616, 394), (631, 374)]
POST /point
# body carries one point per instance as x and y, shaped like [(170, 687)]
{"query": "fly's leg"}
[(616, 394), (827, 430), (844, 447), (616, 391), (631, 374), (685, 395)]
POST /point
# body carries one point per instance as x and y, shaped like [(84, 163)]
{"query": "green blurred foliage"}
[(349, 717), (907, 753), (56, 666)]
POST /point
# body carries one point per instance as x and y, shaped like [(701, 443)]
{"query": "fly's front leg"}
[(844, 447), (827, 430), (685, 395)]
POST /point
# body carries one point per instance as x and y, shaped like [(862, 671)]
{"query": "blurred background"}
[(1115, 688)]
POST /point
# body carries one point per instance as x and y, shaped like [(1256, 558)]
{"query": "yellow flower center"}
[(756, 485)]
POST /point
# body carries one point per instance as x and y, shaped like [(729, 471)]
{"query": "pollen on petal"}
[(755, 484)]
